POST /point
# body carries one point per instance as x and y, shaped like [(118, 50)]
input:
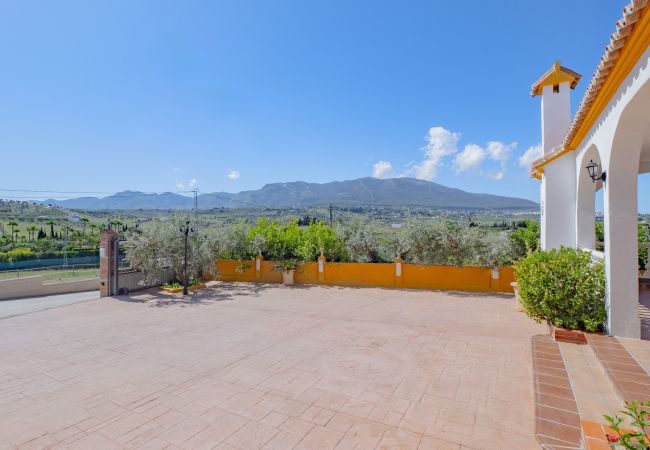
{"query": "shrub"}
[(319, 237), (525, 240), (563, 287)]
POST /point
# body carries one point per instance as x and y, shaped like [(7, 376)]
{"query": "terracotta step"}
[(630, 380), (557, 420)]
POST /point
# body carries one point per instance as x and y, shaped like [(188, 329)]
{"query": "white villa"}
[(611, 129)]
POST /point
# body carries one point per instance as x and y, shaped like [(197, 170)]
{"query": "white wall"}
[(34, 287)]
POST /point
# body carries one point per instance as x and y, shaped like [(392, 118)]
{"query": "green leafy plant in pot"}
[(287, 267)]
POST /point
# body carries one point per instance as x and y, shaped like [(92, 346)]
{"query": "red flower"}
[(612, 438)]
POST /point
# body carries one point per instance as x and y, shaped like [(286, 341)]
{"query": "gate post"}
[(108, 251)]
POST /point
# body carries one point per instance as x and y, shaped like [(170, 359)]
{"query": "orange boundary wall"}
[(467, 278)]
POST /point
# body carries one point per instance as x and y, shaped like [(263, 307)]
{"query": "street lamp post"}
[(186, 231)]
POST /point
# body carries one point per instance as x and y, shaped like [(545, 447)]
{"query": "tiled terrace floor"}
[(248, 366)]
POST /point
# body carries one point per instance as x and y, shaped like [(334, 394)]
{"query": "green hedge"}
[(563, 287)]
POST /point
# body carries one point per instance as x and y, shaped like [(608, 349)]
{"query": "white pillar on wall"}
[(559, 203)]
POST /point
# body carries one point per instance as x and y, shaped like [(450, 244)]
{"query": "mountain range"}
[(360, 192)]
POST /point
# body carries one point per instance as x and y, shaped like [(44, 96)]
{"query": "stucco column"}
[(558, 203), (621, 262), (585, 211)]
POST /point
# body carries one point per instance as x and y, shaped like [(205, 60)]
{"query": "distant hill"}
[(360, 192)]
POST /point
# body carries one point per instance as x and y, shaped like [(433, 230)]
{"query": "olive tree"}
[(160, 244), (448, 243)]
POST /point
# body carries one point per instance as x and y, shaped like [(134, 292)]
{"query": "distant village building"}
[(605, 146), (72, 217)]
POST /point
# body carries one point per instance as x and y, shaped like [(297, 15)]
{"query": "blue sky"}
[(231, 95)]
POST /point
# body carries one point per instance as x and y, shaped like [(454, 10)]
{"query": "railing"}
[(595, 254), (130, 280), (54, 274)]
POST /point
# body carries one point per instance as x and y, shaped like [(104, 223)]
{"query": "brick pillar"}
[(321, 267), (108, 250)]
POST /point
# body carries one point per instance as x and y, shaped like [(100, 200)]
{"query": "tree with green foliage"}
[(67, 229), (13, 224), (159, 244), (31, 230), (84, 221), (51, 223), (362, 241), (525, 239)]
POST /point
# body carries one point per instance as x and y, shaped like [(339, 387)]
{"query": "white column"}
[(559, 203), (585, 211), (621, 262)]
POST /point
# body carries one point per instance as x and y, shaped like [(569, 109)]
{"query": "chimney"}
[(554, 88)]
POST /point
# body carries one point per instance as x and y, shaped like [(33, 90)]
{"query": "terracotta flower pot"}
[(565, 335), (287, 277), (518, 305)]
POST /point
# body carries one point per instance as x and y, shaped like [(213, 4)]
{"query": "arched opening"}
[(586, 201), (628, 157)]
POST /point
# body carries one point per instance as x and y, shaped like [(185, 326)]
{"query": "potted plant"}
[(287, 267), (565, 288)]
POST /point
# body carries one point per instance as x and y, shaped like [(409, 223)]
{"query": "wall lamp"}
[(595, 171)]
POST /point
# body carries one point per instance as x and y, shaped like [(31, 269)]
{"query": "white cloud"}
[(471, 157), (382, 169), (530, 155), (193, 183), (233, 174), (180, 185), (440, 143), (498, 151), (496, 175)]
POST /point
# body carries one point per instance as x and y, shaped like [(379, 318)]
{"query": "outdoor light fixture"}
[(186, 231), (595, 171)]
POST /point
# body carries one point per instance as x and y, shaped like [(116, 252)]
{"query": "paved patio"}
[(248, 366)]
